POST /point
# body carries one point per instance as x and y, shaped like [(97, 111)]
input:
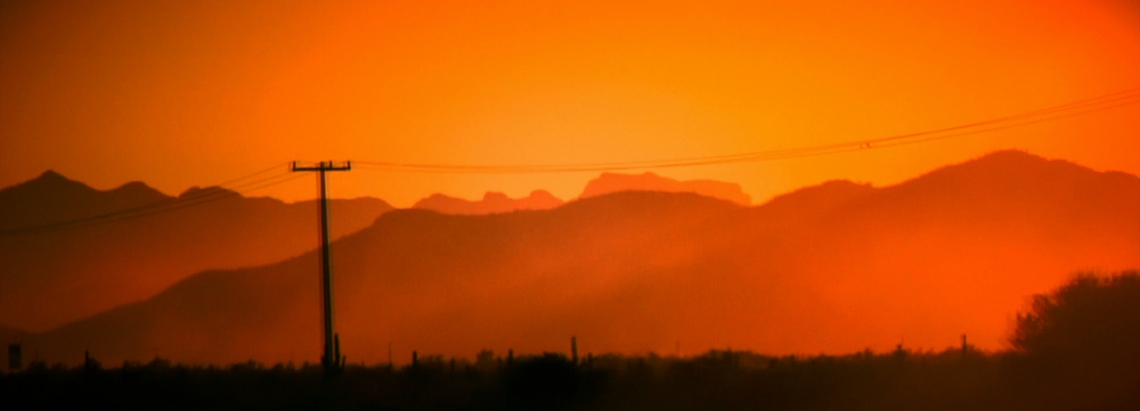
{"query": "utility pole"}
[(331, 359)]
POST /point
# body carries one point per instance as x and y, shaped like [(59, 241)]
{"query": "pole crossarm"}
[(323, 166)]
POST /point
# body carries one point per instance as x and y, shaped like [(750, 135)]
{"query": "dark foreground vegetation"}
[(1076, 349)]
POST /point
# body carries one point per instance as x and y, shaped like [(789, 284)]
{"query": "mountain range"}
[(836, 267), (68, 270), (88, 267)]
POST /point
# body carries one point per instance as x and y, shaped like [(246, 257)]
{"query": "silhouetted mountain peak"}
[(1013, 171), (51, 175), (622, 204), (1018, 159), (53, 198), (139, 191), (49, 187), (815, 199), (53, 186), (1004, 162), (614, 182), (544, 195), (49, 181), (495, 196), (212, 191)]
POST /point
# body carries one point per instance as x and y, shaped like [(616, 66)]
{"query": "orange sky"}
[(188, 94)]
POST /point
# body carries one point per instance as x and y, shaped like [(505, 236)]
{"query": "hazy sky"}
[(198, 92)]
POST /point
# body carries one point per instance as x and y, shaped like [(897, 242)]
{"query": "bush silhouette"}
[(1079, 346), (550, 381)]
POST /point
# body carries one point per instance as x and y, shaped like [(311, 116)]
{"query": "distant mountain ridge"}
[(832, 268), (492, 202), (83, 269), (613, 182), (52, 198)]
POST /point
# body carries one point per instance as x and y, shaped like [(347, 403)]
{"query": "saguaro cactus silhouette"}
[(574, 349)]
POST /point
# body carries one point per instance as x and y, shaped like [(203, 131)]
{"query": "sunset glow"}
[(797, 204), (190, 94)]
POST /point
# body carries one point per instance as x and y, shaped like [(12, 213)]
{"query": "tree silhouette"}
[(1090, 315), (1080, 345)]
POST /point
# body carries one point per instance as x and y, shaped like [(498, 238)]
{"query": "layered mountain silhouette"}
[(832, 268), (492, 203), (614, 182), (64, 271)]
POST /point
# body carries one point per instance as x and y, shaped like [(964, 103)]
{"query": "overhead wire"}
[(244, 184), (1094, 104)]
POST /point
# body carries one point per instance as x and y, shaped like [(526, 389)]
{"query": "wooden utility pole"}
[(331, 359)]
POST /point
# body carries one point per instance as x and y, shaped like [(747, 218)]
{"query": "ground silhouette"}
[(1034, 375)]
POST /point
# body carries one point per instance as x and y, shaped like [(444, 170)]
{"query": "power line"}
[(232, 187), (1079, 107)]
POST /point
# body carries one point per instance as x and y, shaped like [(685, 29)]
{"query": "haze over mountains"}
[(51, 277), (832, 268), (84, 271)]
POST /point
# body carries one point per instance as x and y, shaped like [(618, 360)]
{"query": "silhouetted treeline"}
[(1076, 348)]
